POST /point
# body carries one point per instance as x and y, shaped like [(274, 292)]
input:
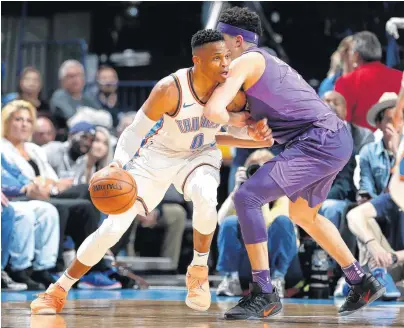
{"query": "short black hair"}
[(205, 36), (242, 18)]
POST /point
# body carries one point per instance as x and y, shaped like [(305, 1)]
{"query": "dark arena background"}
[(86, 68)]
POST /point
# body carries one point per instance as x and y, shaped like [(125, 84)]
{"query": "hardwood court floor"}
[(162, 308)]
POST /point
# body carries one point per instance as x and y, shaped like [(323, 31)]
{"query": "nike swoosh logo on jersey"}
[(185, 105)]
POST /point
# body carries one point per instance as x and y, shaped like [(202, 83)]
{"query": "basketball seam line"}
[(125, 205)]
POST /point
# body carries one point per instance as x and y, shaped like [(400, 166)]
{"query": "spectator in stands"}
[(282, 241), (370, 79), (65, 101), (35, 237), (125, 120), (63, 156), (361, 136), (105, 93), (397, 178), (385, 259), (7, 227), (342, 195), (377, 158), (29, 89), (340, 65), (99, 156), (78, 216), (45, 131)]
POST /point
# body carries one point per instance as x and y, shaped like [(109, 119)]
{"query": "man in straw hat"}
[(377, 160)]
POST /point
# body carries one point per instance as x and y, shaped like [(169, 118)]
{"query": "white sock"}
[(200, 259), (66, 281)]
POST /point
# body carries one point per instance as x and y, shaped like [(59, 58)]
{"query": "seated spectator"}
[(397, 179), (45, 131), (65, 101), (385, 259), (62, 156), (365, 85), (343, 190), (340, 65), (29, 89), (99, 156), (7, 227), (105, 93), (377, 158), (78, 216), (282, 242), (34, 240)]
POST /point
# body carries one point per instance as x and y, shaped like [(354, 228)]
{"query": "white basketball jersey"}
[(187, 130)]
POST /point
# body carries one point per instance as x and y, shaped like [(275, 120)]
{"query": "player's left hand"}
[(260, 130)]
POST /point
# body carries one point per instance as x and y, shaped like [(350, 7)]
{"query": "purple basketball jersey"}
[(290, 104)]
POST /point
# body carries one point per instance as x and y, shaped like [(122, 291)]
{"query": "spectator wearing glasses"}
[(282, 242)]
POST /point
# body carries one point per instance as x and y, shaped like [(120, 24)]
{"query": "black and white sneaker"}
[(361, 295), (257, 305)]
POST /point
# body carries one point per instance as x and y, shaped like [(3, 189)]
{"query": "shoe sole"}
[(47, 311), (195, 306), (83, 285), (371, 300), (252, 317)]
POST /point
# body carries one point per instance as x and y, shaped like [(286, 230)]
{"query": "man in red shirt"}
[(365, 85)]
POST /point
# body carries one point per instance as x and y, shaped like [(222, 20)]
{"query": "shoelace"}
[(252, 302), (49, 299), (194, 285), (353, 296)]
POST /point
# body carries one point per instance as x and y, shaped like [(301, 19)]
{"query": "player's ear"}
[(196, 60), (238, 41)]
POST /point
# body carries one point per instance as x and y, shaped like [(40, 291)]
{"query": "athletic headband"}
[(233, 31)]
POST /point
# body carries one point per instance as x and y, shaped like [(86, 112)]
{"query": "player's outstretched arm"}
[(162, 99), (224, 139)]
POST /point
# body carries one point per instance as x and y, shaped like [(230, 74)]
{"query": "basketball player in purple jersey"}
[(317, 146)]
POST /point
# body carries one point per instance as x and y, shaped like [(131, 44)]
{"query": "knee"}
[(302, 219)]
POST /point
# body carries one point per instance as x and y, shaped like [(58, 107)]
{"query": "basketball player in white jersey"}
[(170, 142)]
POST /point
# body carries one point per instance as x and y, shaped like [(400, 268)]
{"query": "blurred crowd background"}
[(73, 76)]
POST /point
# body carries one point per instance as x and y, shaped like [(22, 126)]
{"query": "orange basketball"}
[(113, 191)]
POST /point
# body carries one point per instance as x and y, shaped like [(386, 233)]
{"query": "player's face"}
[(215, 60), (234, 45)]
